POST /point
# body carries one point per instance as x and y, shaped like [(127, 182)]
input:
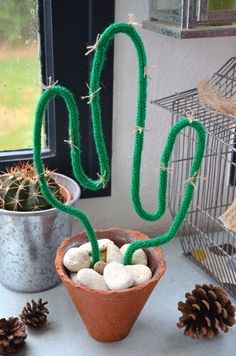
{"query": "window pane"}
[(20, 72), (222, 5)]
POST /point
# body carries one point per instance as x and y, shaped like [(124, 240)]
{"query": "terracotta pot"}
[(109, 315)]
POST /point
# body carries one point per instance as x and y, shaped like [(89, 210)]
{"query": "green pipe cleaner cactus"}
[(104, 175)]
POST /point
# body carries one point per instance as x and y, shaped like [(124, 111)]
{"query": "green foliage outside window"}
[(18, 21)]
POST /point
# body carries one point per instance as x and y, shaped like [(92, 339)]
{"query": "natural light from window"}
[(19, 72)]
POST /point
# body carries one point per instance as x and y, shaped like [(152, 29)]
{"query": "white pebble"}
[(140, 273), (102, 244), (139, 256), (73, 277), (74, 259), (117, 276), (113, 254), (89, 278)]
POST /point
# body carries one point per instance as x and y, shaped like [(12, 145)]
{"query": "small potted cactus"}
[(31, 229)]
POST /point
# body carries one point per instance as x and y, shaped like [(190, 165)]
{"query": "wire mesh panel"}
[(203, 237)]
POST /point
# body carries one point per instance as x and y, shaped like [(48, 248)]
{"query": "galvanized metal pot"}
[(28, 243)]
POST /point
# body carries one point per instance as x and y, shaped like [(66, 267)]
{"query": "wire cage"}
[(203, 237)]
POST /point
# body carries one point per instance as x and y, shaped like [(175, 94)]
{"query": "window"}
[(211, 11), (19, 72), (65, 28), (192, 18)]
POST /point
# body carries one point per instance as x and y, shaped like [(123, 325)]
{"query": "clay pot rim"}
[(66, 279)]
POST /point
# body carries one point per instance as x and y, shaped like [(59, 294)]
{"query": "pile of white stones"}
[(109, 273)]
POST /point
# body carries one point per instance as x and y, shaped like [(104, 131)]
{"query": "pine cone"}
[(205, 310), (12, 335), (35, 314)]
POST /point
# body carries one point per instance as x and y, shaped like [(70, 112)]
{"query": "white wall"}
[(180, 65)]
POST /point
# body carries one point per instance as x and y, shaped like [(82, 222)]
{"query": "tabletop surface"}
[(154, 333)]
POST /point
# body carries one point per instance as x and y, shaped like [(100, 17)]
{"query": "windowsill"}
[(154, 333), (175, 31)]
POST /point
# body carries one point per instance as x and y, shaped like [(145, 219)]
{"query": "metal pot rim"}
[(47, 211)]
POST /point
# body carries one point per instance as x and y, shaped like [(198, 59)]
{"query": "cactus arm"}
[(95, 80), (45, 188), (189, 190)]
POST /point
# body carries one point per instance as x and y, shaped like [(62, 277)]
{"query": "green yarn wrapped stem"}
[(98, 63), (104, 168), (65, 94), (95, 80), (189, 190), (161, 203)]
